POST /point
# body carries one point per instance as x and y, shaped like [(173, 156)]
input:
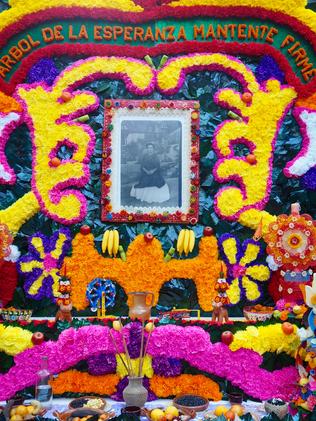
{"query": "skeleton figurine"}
[(220, 313)]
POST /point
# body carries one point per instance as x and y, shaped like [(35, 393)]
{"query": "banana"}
[(192, 240), (186, 242), (180, 242), (105, 240), (122, 253), (116, 242), (110, 243)]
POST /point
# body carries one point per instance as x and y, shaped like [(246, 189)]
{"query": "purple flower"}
[(118, 396), (43, 71), (268, 69), (167, 367), (308, 180), (100, 364), (134, 341)]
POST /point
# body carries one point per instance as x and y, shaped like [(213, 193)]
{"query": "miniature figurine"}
[(64, 312)]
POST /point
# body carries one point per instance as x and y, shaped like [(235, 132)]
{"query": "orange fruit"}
[(251, 159), (66, 96), (55, 162), (238, 410), (246, 97), (230, 415), (220, 410), (284, 315)]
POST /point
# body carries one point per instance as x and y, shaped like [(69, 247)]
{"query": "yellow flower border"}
[(266, 339), (294, 8), (21, 8)]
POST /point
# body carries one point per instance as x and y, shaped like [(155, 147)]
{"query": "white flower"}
[(272, 263), (14, 254)]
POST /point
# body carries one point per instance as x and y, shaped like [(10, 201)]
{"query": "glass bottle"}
[(43, 391)]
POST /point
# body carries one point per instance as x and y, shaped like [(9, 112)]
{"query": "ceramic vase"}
[(140, 306), (135, 394)]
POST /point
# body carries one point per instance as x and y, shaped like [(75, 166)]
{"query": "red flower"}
[(8, 281)]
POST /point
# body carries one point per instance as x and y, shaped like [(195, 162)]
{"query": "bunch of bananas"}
[(185, 243), (110, 242)]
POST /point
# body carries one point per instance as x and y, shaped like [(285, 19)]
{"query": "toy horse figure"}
[(64, 313), (220, 313)]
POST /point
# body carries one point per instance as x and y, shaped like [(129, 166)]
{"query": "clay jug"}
[(140, 306), (135, 394)]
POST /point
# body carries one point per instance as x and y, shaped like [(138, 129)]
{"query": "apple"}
[(37, 338), (208, 231), (85, 229), (287, 328), (227, 337), (148, 237)]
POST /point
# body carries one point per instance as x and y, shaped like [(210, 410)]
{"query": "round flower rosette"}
[(292, 242)]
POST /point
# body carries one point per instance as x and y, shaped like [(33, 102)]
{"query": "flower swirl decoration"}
[(40, 266), (244, 271)]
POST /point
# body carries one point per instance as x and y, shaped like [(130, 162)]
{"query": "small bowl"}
[(185, 408), (253, 315), (72, 404), (131, 410), (81, 412), (279, 410)]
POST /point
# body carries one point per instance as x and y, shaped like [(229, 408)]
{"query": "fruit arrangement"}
[(186, 241), (110, 242), (285, 310), (102, 417), (231, 413), (169, 414), (84, 414), (25, 412)]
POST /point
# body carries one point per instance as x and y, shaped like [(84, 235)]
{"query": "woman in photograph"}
[(151, 186)]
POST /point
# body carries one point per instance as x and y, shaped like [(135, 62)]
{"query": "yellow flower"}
[(14, 340), (266, 339), (146, 371)]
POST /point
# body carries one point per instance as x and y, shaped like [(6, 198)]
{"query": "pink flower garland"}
[(192, 344)]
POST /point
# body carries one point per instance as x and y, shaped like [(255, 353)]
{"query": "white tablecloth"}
[(253, 407)]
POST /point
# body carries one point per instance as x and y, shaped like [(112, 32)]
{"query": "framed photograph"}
[(150, 167)]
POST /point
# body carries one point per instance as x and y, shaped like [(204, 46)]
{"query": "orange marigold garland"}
[(78, 382), (143, 270), (198, 384)]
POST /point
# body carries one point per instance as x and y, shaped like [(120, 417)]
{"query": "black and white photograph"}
[(151, 164)]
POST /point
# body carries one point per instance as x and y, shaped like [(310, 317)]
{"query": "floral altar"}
[(157, 159)]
